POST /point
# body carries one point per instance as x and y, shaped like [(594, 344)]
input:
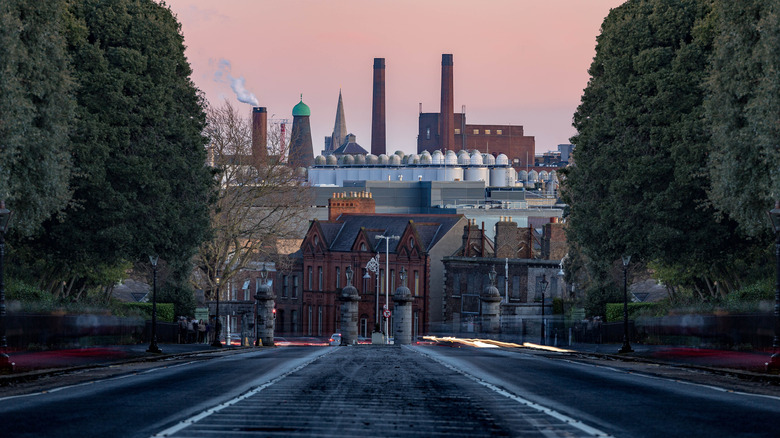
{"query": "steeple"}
[(340, 127)]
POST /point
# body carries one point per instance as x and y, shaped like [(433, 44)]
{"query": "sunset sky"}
[(518, 62)]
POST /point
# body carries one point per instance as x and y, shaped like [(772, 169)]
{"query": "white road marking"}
[(553, 413), (194, 419)]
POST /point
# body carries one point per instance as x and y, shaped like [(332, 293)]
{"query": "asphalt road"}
[(388, 391)]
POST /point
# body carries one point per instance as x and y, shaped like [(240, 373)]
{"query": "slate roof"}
[(430, 229)]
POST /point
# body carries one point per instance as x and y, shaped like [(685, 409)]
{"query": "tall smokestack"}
[(378, 130), (259, 132), (447, 116)]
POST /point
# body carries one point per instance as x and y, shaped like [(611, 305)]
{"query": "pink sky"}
[(519, 62)]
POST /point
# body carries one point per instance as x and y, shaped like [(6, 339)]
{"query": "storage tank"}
[(476, 159), (360, 159), (453, 173), (331, 160), (488, 159), (395, 160), (522, 176), (319, 160), (499, 176), (533, 176), (412, 159), (372, 160), (384, 160), (451, 158), (437, 157), (425, 158), (476, 173), (544, 176), (464, 159), (502, 160)]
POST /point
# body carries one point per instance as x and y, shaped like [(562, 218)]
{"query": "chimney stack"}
[(259, 132), (447, 116), (378, 130)]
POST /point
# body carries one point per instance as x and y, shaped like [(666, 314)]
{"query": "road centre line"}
[(555, 414)]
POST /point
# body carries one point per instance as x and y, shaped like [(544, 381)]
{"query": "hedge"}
[(164, 310), (615, 310)]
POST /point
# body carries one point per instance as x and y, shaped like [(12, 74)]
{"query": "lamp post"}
[(543, 286), (626, 348), (373, 266), (5, 360), (387, 281), (774, 361), (153, 348), (217, 324)]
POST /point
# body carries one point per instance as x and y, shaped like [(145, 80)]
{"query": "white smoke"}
[(223, 75)]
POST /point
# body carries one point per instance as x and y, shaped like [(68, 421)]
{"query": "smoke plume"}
[(223, 75)]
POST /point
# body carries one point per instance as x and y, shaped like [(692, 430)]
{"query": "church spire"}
[(340, 127)]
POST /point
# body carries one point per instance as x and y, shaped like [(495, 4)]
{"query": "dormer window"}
[(411, 243), (316, 240), (362, 246)]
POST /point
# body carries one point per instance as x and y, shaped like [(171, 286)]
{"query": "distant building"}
[(301, 149)]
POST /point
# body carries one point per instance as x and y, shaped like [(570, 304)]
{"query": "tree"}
[(36, 111), (261, 202), (639, 183), (743, 110), (141, 186)]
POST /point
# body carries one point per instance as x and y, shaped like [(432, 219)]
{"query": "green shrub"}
[(615, 310), (557, 306), (760, 290), (164, 310)]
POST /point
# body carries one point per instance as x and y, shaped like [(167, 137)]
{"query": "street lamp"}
[(217, 323), (626, 348), (774, 361), (387, 280), (543, 286), (153, 348), (5, 360), (373, 266)]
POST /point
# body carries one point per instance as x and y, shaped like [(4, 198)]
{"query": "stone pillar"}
[(349, 311), (491, 306), (402, 313), (264, 330)]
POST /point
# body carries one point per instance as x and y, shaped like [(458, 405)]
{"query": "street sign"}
[(386, 313)]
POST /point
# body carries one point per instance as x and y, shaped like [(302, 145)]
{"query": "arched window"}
[(362, 246), (411, 243)]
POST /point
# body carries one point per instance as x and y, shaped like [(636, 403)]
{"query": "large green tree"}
[(36, 111), (743, 109), (639, 183), (141, 186)]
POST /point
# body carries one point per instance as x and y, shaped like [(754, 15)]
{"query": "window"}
[(311, 279), (417, 283), (382, 283), (456, 284), (316, 240), (411, 243), (338, 277), (516, 161), (319, 321), (428, 133), (295, 286), (294, 321), (392, 280), (310, 322), (319, 278), (499, 132), (362, 246), (457, 131), (487, 132), (279, 320), (285, 285), (476, 131)]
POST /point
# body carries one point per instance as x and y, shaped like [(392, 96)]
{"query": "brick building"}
[(521, 257), (349, 238)]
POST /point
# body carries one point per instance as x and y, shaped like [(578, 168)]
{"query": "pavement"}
[(30, 365)]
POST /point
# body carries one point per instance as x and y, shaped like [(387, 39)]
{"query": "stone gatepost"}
[(402, 313), (349, 311), (264, 330), (491, 306)]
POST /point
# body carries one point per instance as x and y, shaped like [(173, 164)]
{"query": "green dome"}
[(301, 109)]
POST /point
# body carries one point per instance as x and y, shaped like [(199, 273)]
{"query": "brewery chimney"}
[(378, 137), (259, 133), (447, 116)]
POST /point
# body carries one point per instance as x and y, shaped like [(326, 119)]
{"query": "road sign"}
[(386, 313)]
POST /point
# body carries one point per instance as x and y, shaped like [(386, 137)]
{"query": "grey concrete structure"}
[(402, 312), (491, 306), (265, 312), (349, 311)]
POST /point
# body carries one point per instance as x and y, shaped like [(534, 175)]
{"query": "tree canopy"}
[(36, 111), (640, 182), (139, 185)]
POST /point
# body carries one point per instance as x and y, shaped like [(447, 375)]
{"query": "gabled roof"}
[(429, 227)]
